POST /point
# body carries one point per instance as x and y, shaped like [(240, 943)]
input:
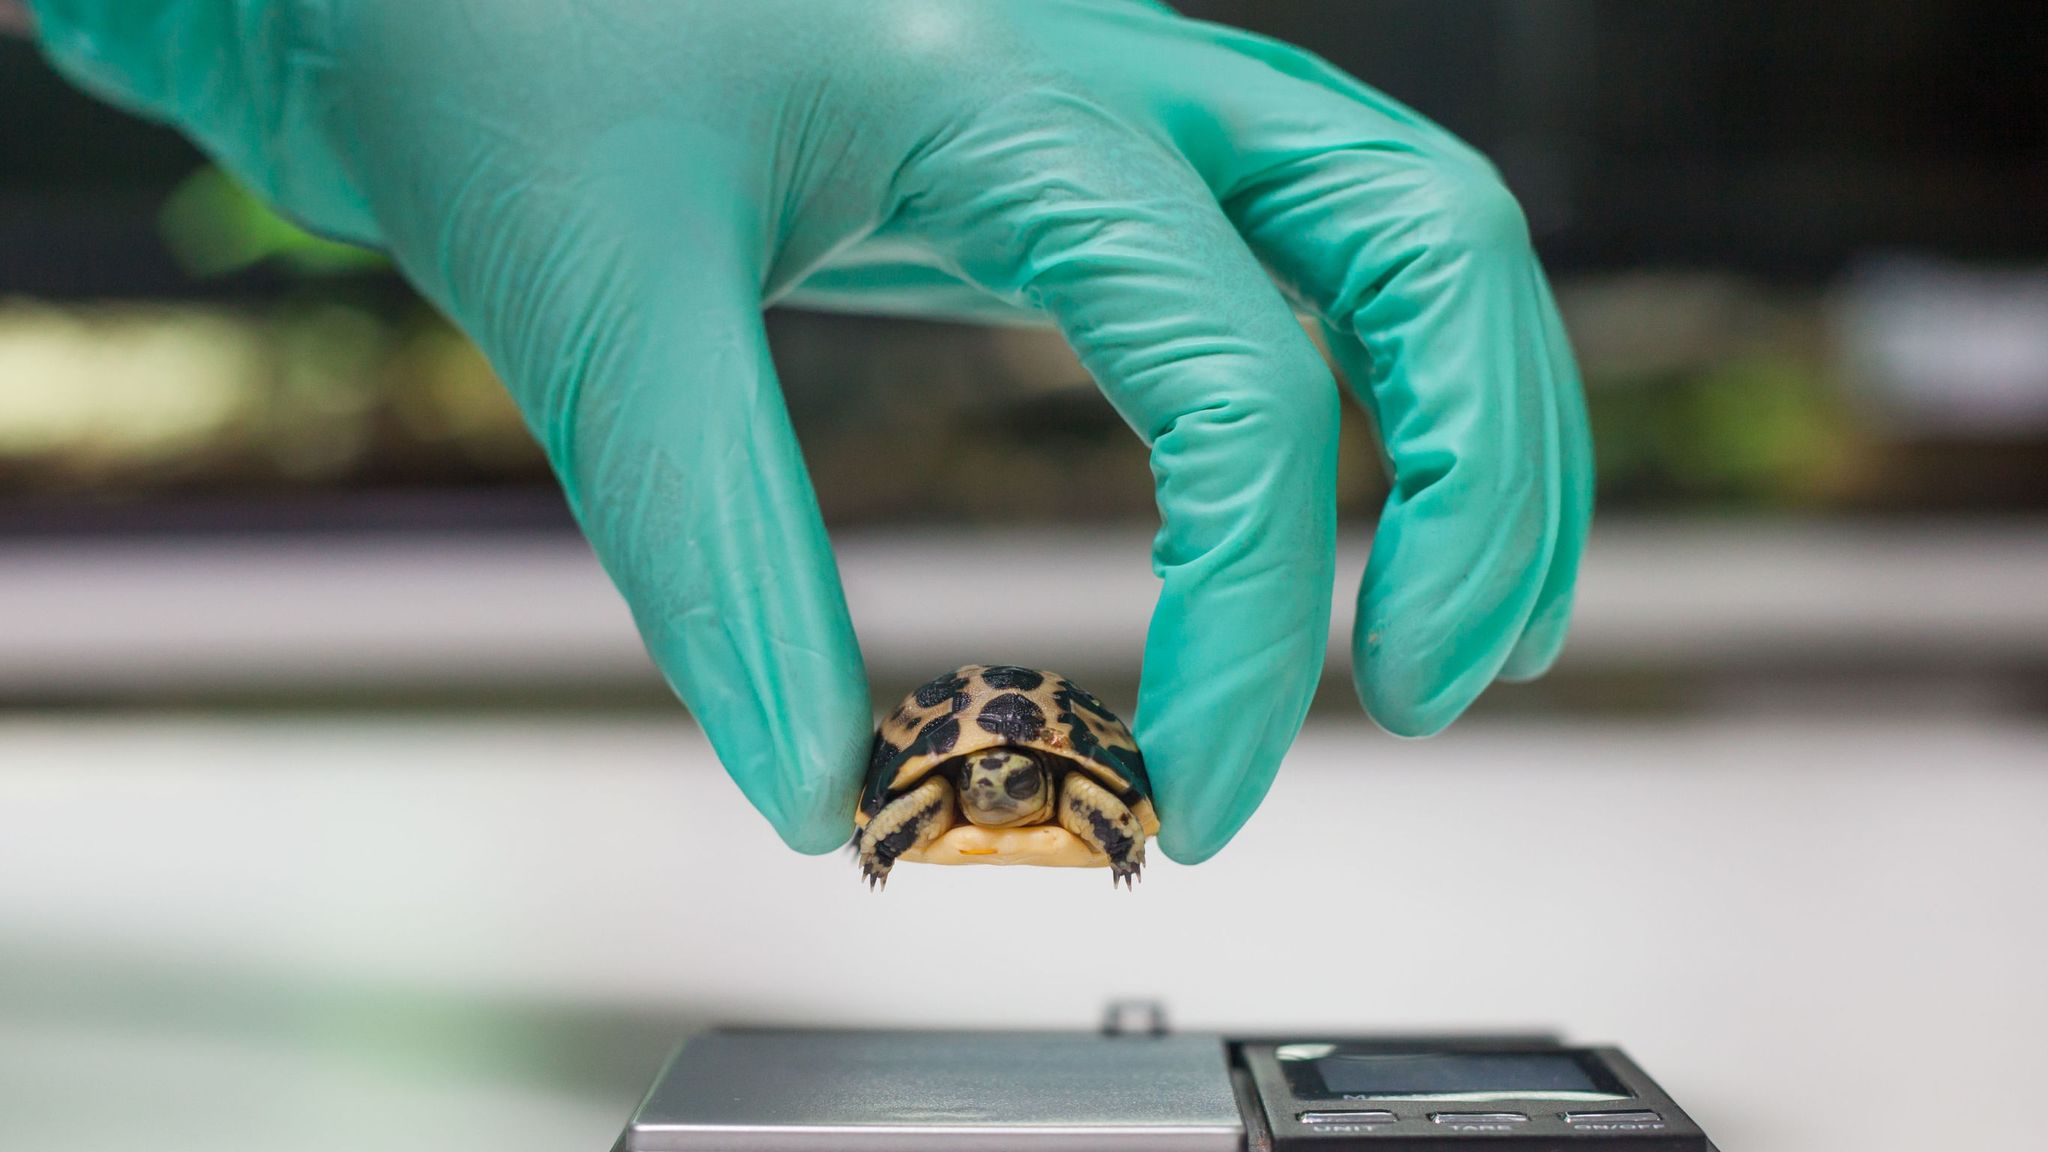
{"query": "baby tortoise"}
[(996, 764)]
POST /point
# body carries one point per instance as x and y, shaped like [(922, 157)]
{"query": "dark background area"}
[(1720, 190), (1780, 140)]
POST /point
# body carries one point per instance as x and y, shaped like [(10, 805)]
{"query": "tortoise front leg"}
[(912, 820), (1093, 813)]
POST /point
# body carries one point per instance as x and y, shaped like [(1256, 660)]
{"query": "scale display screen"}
[(1333, 1072)]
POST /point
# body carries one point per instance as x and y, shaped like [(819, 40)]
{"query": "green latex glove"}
[(604, 195)]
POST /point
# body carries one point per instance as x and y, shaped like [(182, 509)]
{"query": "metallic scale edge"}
[(799, 1091), (937, 1137)]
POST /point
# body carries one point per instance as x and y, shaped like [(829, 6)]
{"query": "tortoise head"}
[(1005, 787)]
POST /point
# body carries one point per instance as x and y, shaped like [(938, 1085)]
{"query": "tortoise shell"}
[(984, 706)]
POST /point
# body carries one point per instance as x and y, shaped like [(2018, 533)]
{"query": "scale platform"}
[(941, 1091)]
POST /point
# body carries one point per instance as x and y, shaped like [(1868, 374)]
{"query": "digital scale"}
[(1120, 1091)]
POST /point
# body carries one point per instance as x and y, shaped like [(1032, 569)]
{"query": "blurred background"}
[(340, 807)]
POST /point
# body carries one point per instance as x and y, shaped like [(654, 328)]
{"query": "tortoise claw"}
[(875, 870)]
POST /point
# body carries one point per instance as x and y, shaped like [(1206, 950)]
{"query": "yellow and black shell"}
[(984, 706)]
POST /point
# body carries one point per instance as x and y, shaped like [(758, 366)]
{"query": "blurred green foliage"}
[(1761, 431), (213, 226)]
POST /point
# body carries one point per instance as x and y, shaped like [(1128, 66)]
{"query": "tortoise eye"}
[(1022, 784)]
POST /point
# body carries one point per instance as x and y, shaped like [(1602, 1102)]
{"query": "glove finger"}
[(1048, 202), (694, 491), (1543, 640), (626, 320), (1292, 119), (1419, 261)]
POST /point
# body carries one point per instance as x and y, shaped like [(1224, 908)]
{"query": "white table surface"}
[(362, 933)]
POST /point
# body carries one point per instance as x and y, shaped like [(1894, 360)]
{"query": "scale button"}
[(1634, 1121), (1480, 1118), (1362, 1116)]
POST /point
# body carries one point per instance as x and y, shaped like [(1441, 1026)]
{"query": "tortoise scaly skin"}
[(1002, 746)]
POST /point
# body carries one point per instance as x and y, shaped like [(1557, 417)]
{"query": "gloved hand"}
[(604, 194)]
